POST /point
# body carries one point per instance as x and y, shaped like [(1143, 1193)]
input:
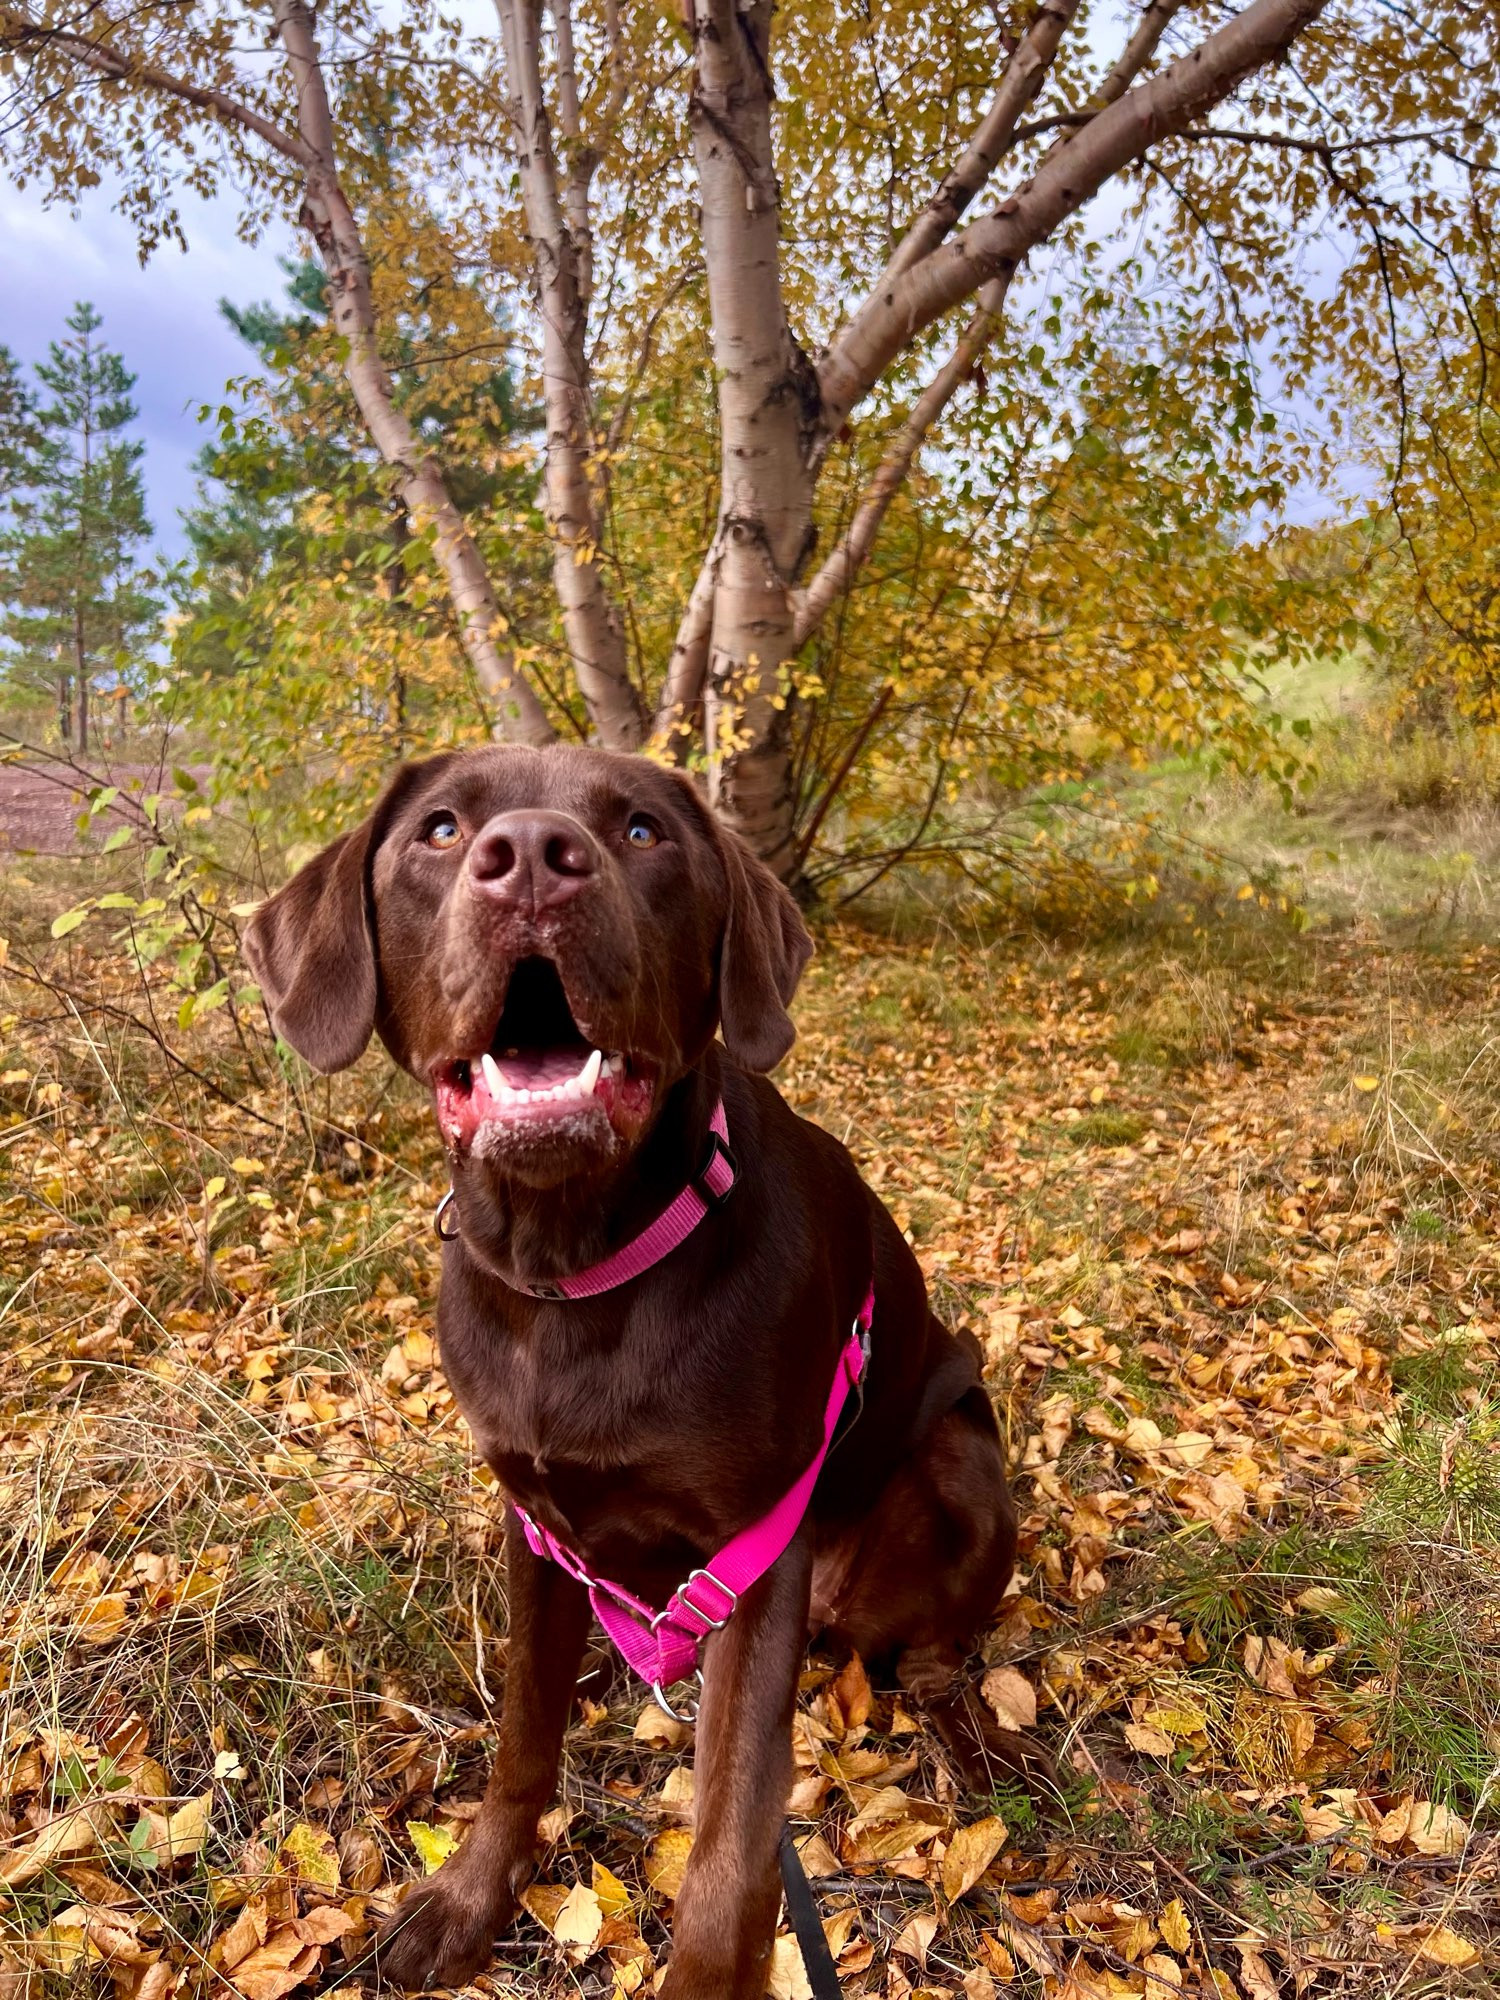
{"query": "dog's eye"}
[(641, 832), (442, 831)]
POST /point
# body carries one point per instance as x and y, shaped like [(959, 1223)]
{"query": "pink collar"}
[(709, 1188)]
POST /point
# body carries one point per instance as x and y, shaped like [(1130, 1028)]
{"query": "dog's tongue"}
[(539, 1069)]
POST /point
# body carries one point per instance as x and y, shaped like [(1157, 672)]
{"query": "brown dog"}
[(535, 907)]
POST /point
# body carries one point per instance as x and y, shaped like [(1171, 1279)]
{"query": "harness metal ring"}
[(689, 1714), (444, 1235)]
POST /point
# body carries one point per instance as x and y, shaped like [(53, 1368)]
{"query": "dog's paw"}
[(986, 1755), (441, 1935)]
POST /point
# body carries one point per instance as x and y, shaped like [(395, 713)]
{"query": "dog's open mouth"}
[(540, 1072)]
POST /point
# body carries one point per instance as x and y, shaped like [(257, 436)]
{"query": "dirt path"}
[(40, 802)]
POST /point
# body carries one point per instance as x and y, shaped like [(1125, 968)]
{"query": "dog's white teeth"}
[(583, 1084), (492, 1076), (617, 1065), (506, 1095)]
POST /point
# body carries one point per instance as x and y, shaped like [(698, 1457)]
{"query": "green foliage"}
[(314, 637), (76, 604)]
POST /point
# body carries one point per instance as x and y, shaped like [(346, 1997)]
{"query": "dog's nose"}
[(532, 860)]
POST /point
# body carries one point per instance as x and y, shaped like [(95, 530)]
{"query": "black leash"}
[(807, 1926)]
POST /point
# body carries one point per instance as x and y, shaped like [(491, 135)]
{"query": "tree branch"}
[(837, 572), (1070, 174), (424, 488), (22, 32), (682, 694), (767, 398), (580, 162), (997, 133), (591, 626), (1019, 84)]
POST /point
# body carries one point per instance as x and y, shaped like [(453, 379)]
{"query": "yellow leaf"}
[(1163, 1976), (313, 1855), (659, 1731), (666, 1860), (1436, 1829), (63, 1838), (916, 1940), (433, 1844), (817, 1857), (1367, 1083), (1256, 1976), (614, 1897), (1149, 1742), (970, 1853), (179, 1836), (677, 1791), (1174, 1926), (1443, 1946)]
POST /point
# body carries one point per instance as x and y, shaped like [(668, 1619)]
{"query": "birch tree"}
[(860, 211)]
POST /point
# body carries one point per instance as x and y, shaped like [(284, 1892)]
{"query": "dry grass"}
[(1221, 1208)]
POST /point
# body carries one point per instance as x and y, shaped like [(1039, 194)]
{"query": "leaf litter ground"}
[(1220, 1210)]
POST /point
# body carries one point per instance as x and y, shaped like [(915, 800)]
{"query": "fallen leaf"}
[(278, 1967), (1174, 1926), (312, 1855), (817, 1857), (179, 1835), (1255, 1975), (1149, 1742), (614, 1897), (1012, 1698), (970, 1853), (666, 1859), (787, 1978), (852, 1693), (1442, 1946), (433, 1844), (65, 1836), (361, 1863), (677, 1791), (659, 1731), (579, 1922), (915, 1941), (1436, 1829)]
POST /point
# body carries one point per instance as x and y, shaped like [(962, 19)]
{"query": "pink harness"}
[(662, 1646)]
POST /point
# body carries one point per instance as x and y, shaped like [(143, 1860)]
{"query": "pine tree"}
[(19, 435), (75, 600)]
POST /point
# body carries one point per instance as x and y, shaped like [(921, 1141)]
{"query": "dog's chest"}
[(526, 1404)]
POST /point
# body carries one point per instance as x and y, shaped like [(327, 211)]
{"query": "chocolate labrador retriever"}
[(548, 940)]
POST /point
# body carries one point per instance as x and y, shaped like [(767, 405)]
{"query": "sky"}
[(163, 320)]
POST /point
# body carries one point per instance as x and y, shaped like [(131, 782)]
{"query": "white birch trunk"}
[(767, 415), (591, 625)]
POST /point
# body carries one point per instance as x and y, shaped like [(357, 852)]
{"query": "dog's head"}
[(547, 938)]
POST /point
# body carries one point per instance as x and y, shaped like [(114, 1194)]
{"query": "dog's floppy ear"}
[(312, 951), (762, 951)]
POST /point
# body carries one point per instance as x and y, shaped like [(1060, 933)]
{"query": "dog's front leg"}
[(442, 1934), (726, 1913)]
